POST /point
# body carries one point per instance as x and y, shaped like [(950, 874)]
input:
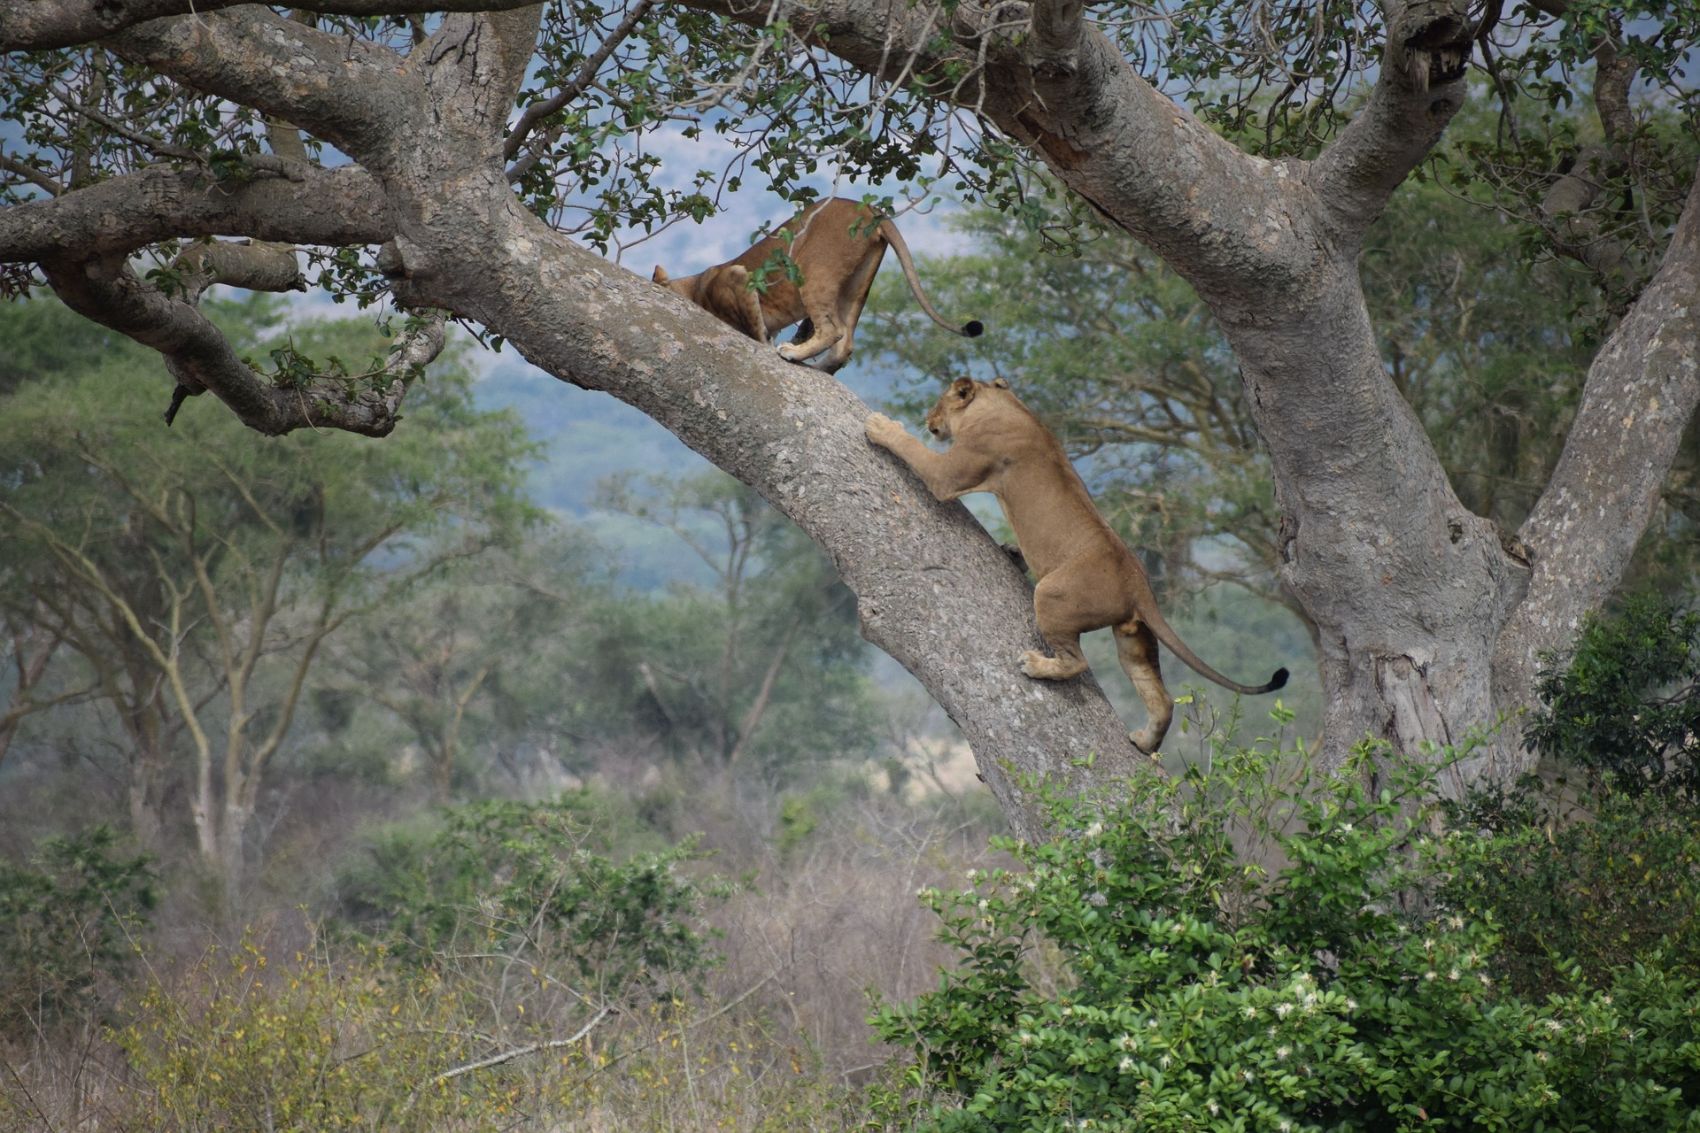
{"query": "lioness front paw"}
[(882, 429), (1035, 664)]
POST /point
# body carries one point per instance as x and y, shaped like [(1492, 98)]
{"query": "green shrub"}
[(1599, 888), (240, 1043), (1197, 992), (66, 919), (517, 879), (1627, 703)]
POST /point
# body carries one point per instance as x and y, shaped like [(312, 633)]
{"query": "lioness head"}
[(954, 403), (723, 292)]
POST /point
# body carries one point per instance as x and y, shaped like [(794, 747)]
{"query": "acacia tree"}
[(465, 136), (191, 586)]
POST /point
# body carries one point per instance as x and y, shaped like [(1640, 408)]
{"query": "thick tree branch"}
[(933, 589), (1641, 391), (349, 92), (253, 267), (307, 205), (30, 25), (1056, 35), (200, 358), (1415, 96), (1570, 205)]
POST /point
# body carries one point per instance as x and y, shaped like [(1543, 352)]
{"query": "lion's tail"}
[(970, 329), (1167, 635)]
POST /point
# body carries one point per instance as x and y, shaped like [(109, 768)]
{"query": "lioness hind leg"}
[(827, 333), (852, 301), (1136, 649), (1060, 624)]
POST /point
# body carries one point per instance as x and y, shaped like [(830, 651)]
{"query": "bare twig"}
[(523, 1051)]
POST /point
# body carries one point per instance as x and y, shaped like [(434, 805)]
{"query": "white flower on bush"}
[(1128, 1042), (1282, 1010), (1281, 1053), (1126, 1064)]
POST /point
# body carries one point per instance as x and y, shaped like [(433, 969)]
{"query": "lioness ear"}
[(1000, 383), (659, 276), (963, 388)]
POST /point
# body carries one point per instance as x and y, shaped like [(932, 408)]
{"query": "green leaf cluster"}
[(1134, 973), (1626, 703), (68, 915), (1580, 883), (519, 880)]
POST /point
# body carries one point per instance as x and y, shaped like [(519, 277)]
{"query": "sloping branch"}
[(1642, 389), (521, 1052), (200, 358), (347, 91), (1415, 96)]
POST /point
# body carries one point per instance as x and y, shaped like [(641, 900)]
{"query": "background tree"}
[(763, 660), (455, 659), (146, 126), (196, 580)]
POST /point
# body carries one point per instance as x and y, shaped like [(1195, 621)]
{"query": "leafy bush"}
[(1197, 992), (1606, 887), (517, 879), (1628, 702), (305, 1046), (66, 918)]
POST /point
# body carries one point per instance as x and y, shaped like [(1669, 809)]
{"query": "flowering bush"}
[(1137, 973)]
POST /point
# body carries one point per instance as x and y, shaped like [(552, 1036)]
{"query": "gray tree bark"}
[(1428, 623)]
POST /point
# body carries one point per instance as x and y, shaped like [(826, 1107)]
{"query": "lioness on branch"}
[(1087, 577), (836, 246)]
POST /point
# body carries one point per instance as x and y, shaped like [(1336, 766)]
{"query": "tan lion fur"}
[(837, 246), (1087, 578)]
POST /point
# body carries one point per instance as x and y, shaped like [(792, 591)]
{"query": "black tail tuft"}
[(973, 328), (1279, 680)]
